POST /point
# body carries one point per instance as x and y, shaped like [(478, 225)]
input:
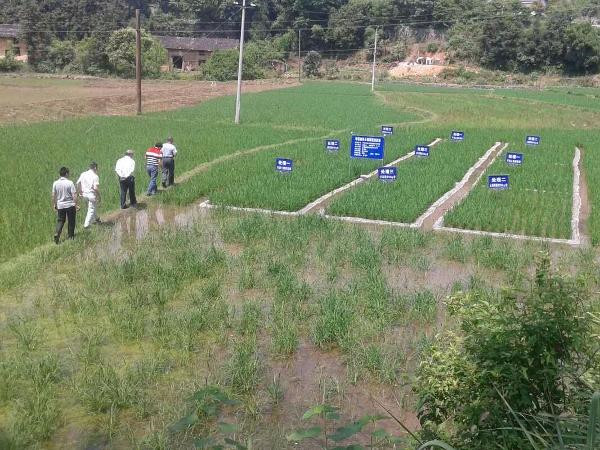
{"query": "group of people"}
[(65, 193)]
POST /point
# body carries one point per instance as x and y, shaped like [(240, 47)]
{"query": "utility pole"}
[(240, 65), (138, 60), (374, 61), (299, 60)]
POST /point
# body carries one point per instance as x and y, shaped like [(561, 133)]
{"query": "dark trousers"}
[(128, 185), (168, 171), (66, 214)]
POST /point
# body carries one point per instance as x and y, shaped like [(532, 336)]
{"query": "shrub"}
[(433, 47), (10, 64), (311, 64), (90, 57), (525, 347), (61, 54)]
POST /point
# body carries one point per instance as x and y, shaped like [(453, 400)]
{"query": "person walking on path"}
[(125, 168), (153, 159), (64, 202), (168, 160), (88, 187)]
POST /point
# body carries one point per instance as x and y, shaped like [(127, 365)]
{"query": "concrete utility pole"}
[(240, 65), (299, 60), (374, 61), (138, 60)]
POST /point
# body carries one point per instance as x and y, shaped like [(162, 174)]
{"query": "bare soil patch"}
[(28, 99)]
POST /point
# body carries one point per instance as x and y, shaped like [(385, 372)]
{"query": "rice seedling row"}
[(539, 200), (421, 181)]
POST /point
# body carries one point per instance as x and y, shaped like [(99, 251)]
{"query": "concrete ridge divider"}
[(576, 211), (359, 180), (522, 237), (461, 184)]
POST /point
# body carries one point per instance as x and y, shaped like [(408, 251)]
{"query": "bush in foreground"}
[(525, 349)]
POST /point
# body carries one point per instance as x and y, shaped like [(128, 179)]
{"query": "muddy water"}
[(134, 224)]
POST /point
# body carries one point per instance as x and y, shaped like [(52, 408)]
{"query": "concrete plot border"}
[(461, 184), (575, 239), (362, 178)]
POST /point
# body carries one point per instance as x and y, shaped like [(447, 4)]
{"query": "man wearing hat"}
[(125, 168)]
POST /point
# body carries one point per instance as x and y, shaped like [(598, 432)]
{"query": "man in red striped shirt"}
[(153, 160)]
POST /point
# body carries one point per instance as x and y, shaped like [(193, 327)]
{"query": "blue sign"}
[(422, 150), (457, 136), (387, 173), (387, 130), (332, 145), (283, 165), (533, 140), (498, 182), (514, 159), (370, 147)]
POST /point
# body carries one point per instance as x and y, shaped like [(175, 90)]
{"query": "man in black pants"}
[(125, 168), (64, 202), (168, 161)]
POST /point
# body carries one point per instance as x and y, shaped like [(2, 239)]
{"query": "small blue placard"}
[(498, 182), (533, 140), (422, 151), (457, 136), (386, 130), (387, 173), (283, 165), (514, 159), (332, 145), (370, 147)]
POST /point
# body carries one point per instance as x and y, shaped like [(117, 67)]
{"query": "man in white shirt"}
[(125, 168), (88, 186), (168, 162), (64, 202)]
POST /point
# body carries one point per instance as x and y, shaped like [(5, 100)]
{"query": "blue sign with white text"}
[(532, 140), (386, 130), (387, 173), (283, 165), (498, 182), (514, 159), (457, 136), (370, 147), (422, 150), (332, 145)]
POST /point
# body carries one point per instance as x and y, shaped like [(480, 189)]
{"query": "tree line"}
[(502, 34)]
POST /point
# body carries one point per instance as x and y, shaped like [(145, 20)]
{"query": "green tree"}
[(582, 48), (61, 54), (120, 51), (311, 64)]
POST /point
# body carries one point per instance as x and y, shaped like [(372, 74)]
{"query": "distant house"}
[(10, 42), (534, 3), (187, 53)]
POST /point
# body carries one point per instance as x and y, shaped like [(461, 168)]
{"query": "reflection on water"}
[(138, 222)]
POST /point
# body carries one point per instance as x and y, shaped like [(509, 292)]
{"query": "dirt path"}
[(462, 189)]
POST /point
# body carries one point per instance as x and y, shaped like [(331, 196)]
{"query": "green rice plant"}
[(275, 390), (539, 200), (243, 370), (10, 374), (284, 330), (334, 321), (36, 417), (456, 250), (381, 363), (423, 306), (251, 318), (395, 243), (129, 323), (26, 331)]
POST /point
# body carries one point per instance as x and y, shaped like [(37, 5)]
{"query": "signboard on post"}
[(387, 130), (533, 140), (369, 147), (283, 165), (332, 145), (387, 173), (422, 151), (457, 136), (498, 182), (514, 159)]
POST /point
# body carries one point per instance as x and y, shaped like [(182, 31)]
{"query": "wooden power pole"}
[(299, 57), (138, 60)]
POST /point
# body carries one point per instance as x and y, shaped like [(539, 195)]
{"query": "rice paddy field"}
[(175, 326)]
